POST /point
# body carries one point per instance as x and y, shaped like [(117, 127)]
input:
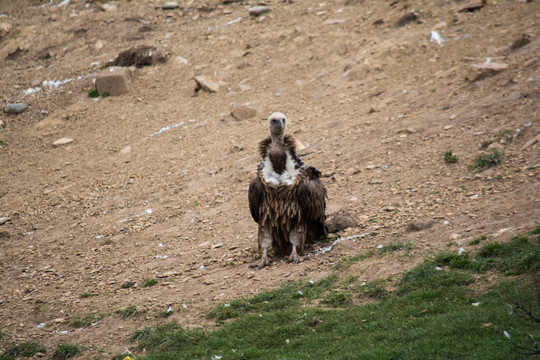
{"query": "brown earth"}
[(376, 105)]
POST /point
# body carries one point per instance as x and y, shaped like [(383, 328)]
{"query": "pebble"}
[(448, 127), (62, 141), (4, 220), (259, 10), (15, 108), (453, 117), (171, 5)]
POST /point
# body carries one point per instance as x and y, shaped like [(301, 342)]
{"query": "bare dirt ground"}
[(377, 106)]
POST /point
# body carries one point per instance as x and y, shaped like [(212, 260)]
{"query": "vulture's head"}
[(277, 123)]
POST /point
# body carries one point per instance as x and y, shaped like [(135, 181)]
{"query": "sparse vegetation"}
[(149, 282), (130, 311), (450, 158), (486, 161), (87, 295), (86, 321), (396, 246), (105, 94), (477, 240), (25, 349), (93, 93), (346, 262), (66, 351)]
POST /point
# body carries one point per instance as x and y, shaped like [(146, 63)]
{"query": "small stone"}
[(472, 6), (408, 18), (59, 320), (98, 45), (371, 167), (303, 274), (108, 7), (126, 150), (250, 274), (340, 222), (4, 220), (63, 141), (15, 108), (419, 225), (242, 112), (521, 42), (208, 282), (453, 117), (448, 127), (258, 10), (114, 80), (531, 142), (171, 5), (216, 246), (208, 83)]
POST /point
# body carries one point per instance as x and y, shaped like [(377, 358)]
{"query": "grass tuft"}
[(450, 158), (149, 282), (477, 240), (486, 161), (25, 349), (93, 93), (66, 351), (86, 321), (130, 311)]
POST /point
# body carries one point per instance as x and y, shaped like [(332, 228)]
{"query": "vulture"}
[(286, 198)]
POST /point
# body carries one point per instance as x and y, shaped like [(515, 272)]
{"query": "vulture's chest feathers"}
[(280, 166)]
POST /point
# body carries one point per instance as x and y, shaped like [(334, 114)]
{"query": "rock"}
[(481, 71), (171, 5), (16, 108), (419, 225), (408, 18), (108, 7), (128, 284), (495, 147), (447, 127), (521, 42), (126, 150), (208, 83), (371, 167), (139, 57), (341, 221), (4, 220), (5, 28), (62, 141), (453, 117), (472, 6), (217, 246), (242, 112), (299, 145), (259, 10), (115, 80), (334, 21), (98, 45)]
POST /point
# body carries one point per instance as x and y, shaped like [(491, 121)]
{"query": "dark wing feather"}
[(255, 196), (312, 200)]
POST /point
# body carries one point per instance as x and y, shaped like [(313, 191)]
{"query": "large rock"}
[(15, 108), (341, 221), (115, 80), (242, 112)]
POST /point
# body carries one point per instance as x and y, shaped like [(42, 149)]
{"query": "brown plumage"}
[(286, 199)]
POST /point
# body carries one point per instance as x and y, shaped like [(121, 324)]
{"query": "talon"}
[(294, 258), (264, 261)]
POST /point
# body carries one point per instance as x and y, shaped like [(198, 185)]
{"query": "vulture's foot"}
[(264, 261), (293, 258)]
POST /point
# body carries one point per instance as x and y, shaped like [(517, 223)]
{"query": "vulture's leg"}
[(295, 237), (266, 242)]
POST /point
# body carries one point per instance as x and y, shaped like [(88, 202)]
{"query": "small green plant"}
[(477, 240), (149, 282), (141, 334), (93, 93), (66, 351), (130, 311), (486, 161), (25, 349), (346, 262), (450, 158), (105, 94)]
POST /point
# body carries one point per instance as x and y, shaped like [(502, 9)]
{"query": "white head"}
[(277, 123)]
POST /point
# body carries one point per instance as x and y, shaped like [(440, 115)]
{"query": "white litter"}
[(475, 304), (380, 246), (63, 3), (328, 248), (233, 21), (506, 334), (435, 37), (167, 128), (461, 250), (55, 84), (40, 325)]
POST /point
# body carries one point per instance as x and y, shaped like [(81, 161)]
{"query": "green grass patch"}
[(130, 311), (66, 351), (450, 158), (486, 161), (431, 314), (25, 349), (87, 295), (149, 282), (348, 261)]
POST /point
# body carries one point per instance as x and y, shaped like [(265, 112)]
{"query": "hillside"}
[(154, 183)]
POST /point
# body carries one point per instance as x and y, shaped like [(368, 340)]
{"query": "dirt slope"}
[(377, 106)]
